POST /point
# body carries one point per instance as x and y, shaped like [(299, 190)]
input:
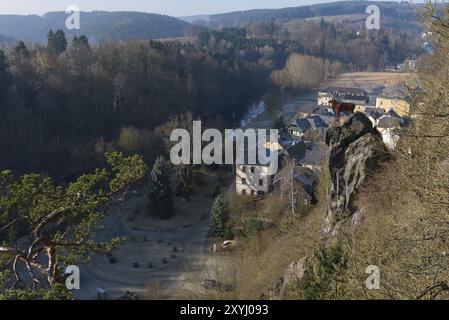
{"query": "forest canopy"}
[(69, 101)]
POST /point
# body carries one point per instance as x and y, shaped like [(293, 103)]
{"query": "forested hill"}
[(98, 26), (395, 15)]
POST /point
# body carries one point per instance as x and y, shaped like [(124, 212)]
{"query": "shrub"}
[(160, 189), (113, 260), (323, 276)]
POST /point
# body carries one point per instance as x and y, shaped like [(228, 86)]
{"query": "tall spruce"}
[(160, 189), (219, 217), (57, 42)]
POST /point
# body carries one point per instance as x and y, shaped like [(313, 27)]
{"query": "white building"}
[(387, 126), (253, 180), (256, 179)]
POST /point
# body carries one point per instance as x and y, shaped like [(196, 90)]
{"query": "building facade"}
[(343, 94), (400, 106), (253, 180)]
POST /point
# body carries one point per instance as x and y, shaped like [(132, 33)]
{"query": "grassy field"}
[(371, 80)]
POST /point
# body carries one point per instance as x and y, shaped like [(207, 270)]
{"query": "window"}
[(253, 170), (243, 181), (244, 169), (260, 193), (244, 192), (261, 182)]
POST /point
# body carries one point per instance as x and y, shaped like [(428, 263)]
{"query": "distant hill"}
[(98, 26), (393, 14), (193, 19)]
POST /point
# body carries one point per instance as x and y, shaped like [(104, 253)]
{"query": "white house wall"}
[(252, 179)]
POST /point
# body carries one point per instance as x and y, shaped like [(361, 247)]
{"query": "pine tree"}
[(21, 50), (219, 217), (57, 42), (160, 193)]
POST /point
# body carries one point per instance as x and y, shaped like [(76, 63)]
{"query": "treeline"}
[(98, 26), (304, 72), (400, 16), (63, 105), (361, 49), (274, 41)]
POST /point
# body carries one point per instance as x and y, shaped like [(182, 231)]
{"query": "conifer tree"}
[(160, 193), (57, 42), (219, 217)]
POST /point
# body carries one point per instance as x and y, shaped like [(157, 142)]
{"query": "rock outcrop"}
[(294, 272), (355, 149)]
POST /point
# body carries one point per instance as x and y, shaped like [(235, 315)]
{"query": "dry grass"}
[(268, 255), (372, 80), (153, 291), (401, 236)]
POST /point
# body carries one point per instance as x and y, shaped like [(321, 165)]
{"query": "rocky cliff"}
[(355, 149)]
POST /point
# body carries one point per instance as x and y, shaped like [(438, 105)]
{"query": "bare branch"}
[(443, 286), (13, 222)]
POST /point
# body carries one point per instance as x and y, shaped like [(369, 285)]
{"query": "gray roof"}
[(311, 122), (307, 179), (317, 122), (350, 97), (297, 151), (399, 91), (375, 113), (307, 107), (392, 113), (304, 177), (327, 115), (321, 110), (374, 109), (388, 122), (343, 91), (315, 154)]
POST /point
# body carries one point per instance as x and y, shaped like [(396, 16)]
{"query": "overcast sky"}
[(170, 7)]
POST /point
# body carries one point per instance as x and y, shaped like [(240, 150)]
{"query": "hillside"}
[(400, 16), (98, 26)]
